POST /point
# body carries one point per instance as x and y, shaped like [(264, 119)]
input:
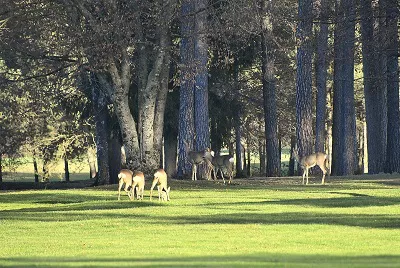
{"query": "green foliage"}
[(350, 222)]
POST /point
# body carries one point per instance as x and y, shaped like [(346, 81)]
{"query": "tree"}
[(321, 68), (344, 123), (269, 93), (303, 80), (186, 91), (393, 114), (374, 85)]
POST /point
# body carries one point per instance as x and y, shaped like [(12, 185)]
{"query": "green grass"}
[(350, 222)]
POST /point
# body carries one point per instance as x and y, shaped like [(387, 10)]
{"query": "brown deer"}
[(223, 161), (160, 179), (125, 177), (312, 160), (138, 184), (198, 157)]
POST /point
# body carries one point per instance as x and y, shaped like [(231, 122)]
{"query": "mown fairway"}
[(352, 222)]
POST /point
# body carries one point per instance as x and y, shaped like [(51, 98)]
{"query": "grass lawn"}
[(258, 222)]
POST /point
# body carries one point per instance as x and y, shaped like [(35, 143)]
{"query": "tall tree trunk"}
[(393, 126), (269, 94), (101, 138), (303, 80), (321, 67), (201, 117), (374, 87), (186, 98), (121, 81), (337, 148), (238, 122), (348, 133)]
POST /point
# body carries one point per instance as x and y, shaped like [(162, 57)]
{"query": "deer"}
[(125, 176), (138, 184), (160, 179), (223, 161), (165, 194), (198, 157), (312, 160)]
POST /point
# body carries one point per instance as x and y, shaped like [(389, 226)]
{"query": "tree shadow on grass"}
[(360, 220), (249, 260)]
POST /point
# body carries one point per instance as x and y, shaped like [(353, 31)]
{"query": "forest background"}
[(79, 79)]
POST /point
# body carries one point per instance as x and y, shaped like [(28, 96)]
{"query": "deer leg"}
[(127, 191), (151, 189), (307, 174), (304, 174), (194, 172), (119, 190)]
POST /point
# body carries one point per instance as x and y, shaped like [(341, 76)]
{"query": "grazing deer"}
[(198, 157), (312, 160), (125, 177), (138, 184), (165, 194), (160, 179), (223, 161)]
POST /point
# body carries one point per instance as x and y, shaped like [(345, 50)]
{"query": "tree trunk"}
[(337, 148), (66, 169), (91, 153), (201, 117), (303, 80), (291, 160), (349, 138), (186, 98), (393, 126), (114, 157), (121, 82), (35, 169), (321, 67), (1, 168), (170, 149), (101, 117), (374, 89), (269, 95), (238, 122)]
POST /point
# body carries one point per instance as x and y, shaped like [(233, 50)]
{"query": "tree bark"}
[(269, 95), (201, 117), (303, 80), (66, 169), (321, 67), (348, 116), (374, 87), (114, 157), (101, 138), (186, 98), (393, 126)]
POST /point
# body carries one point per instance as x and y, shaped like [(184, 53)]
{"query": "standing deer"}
[(312, 160), (160, 179), (198, 157), (125, 177), (138, 184), (223, 161)]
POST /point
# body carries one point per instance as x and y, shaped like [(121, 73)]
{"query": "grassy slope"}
[(256, 222)]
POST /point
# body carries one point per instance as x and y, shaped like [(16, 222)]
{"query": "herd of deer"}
[(134, 181)]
